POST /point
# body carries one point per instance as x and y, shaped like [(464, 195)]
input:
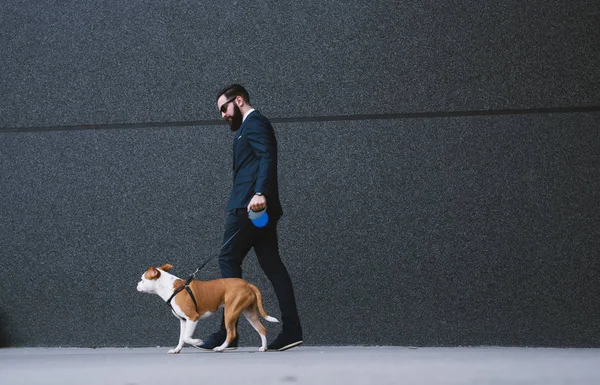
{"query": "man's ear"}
[(239, 101), (166, 267)]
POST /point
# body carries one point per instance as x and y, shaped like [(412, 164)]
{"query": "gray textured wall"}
[(413, 216)]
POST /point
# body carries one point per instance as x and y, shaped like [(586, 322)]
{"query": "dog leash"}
[(211, 258), (186, 285)]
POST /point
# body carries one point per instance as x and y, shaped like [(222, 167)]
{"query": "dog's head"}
[(150, 278)]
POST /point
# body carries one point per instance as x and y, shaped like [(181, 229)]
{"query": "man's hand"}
[(257, 203)]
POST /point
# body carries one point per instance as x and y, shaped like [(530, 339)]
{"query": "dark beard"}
[(236, 119)]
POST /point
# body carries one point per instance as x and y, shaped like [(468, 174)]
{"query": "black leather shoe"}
[(217, 339), (283, 342)]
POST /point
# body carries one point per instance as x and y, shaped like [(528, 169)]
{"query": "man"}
[(254, 188)]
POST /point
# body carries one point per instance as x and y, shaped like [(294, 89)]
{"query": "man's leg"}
[(230, 263), (232, 255), (267, 251)]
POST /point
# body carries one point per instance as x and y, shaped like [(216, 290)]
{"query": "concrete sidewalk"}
[(302, 365)]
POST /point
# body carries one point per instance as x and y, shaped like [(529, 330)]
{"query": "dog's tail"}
[(261, 309)]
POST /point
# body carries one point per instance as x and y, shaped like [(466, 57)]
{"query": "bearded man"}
[(254, 188)]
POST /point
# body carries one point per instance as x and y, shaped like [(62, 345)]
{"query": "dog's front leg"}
[(190, 327), (181, 338)]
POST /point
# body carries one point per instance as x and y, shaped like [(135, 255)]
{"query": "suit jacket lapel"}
[(236, 136), (233, 149)]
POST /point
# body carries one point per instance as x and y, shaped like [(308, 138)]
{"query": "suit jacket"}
[(255, 164)]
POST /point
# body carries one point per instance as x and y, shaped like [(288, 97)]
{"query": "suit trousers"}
[(265, 243)]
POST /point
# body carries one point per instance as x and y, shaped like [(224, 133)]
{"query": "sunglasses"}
[(223, 108)]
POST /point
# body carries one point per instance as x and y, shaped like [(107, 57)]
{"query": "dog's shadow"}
[(237, 351)]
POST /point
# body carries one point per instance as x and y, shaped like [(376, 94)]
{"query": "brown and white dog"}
[(236, 295)]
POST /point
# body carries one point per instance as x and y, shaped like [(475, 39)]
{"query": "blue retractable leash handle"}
[(259, 218)]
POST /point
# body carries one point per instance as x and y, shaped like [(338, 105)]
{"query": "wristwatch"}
[(259, 194)]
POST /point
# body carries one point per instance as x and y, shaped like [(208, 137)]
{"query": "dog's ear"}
[(152, 273), (166, 267)]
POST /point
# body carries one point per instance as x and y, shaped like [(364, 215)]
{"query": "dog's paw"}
[(219, 349), (174, 351), (262, 349)]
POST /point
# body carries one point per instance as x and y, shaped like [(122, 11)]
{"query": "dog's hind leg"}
[(230, 326), (251, 315)]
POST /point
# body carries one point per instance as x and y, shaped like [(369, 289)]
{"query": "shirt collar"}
[(248, 113)]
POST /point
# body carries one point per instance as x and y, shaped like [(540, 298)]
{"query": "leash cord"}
[(189, 280), (210, 259)]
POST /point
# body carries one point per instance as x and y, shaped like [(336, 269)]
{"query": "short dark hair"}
[(234, 90)]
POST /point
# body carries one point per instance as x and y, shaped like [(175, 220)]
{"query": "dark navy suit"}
[(255, 164), (255, 170)]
